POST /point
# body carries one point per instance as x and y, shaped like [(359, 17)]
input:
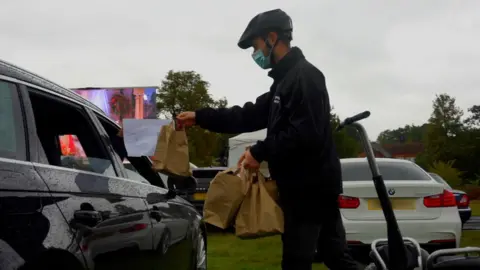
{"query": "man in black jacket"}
[(299, 147)]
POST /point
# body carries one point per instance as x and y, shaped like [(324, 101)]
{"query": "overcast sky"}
[(390, 57)]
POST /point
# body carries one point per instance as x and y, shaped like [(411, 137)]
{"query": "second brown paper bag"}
[(259, 214), (171, 153), (224, 196)]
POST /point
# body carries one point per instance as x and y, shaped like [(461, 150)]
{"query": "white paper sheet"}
[(141, 135)]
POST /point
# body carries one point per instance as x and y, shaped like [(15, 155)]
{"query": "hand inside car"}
[(248, 162), (186, 119)]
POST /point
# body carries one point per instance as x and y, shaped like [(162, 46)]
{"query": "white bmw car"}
[(424, 209)]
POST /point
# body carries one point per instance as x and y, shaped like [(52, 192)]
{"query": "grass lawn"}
[(225, 251)]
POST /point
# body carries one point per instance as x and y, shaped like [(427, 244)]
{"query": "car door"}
[(175, 223), (107, 215), (31, 227)]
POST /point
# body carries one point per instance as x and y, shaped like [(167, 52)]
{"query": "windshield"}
[(360, 171)]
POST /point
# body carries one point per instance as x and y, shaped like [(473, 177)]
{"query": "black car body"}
[(203, 177), (463, 201), (82, 212)]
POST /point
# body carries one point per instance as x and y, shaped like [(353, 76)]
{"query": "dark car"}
[(86, 210), (463, 201), (203, 177)]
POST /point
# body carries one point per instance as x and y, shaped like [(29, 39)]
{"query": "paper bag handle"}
[(177, 126), (233, 170), (254, 176)]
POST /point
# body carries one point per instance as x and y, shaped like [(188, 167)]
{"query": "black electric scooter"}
[(404, 253)]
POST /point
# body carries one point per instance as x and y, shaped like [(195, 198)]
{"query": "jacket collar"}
[(281, 68)]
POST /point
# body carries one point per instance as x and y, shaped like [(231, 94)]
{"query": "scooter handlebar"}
[(353, 119)]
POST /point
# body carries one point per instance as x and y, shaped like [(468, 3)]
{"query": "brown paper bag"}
[(171, 153), (224, 196), (259, 214)]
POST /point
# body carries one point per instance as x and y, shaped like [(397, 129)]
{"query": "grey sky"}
[(390, 57)]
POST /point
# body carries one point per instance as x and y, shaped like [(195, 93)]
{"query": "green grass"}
[(225, 251), (475, 205)]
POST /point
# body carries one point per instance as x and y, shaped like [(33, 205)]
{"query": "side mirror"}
[(155, 197)]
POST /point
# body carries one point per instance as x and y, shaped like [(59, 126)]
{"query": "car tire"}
[(200, 257), (164, 242)]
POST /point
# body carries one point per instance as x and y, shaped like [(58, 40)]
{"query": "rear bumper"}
[(445, 230), (465, 214)]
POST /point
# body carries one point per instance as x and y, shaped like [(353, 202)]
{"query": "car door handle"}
[(87, 217), (156, 215)]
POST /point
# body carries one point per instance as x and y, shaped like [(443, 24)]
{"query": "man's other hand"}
[(248, 162), (186, 119)]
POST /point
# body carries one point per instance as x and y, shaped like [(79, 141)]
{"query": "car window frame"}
[(22, 154), (105, 140), (75, 105)]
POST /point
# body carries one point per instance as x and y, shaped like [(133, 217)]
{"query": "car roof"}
[(378, 160), (28, 78)]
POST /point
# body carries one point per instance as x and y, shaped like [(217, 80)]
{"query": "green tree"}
[(347, 144), (474, 119), (444, 130), (408, 133), (187, 91)]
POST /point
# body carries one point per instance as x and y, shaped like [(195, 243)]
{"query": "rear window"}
[(389, 171)]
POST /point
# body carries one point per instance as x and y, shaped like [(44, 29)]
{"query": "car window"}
[(67, 135), (360, 171), (140, 165), (133, 175), (12, 140), (74, 157)]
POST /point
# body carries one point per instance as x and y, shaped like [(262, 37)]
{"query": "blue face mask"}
[(261, 60)]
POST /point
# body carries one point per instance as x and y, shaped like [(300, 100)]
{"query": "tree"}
[(443, 130), (474, 119), (446, 115), (408, 133), (346, 144), (187, 91)]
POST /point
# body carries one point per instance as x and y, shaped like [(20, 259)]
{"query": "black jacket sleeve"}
[(251, 117), (309, 113)]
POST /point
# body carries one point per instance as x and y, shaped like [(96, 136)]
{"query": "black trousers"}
[(303, 235)]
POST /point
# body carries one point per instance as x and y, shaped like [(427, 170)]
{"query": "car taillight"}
[(446, 199), (348, 202), (464, 201)]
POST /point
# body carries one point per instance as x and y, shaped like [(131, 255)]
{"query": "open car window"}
[(73, 141), (137, 168)]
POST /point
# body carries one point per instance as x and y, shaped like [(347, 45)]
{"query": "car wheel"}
[(164, 242), (201, 256)]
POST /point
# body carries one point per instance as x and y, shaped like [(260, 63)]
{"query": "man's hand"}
[(186, 119), (248, 162)]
